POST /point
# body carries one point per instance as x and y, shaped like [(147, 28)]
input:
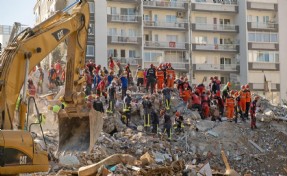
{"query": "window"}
[(152, 57), (146, 18), (201, 39), (92, 7), (113, 10), (263, 56), (90, 50), (156, 37), (91, 30), (123, 53), (132, 53), (112, 52), (132, 33), (171, 38), (113, 31), (170, 18), (127, 11)]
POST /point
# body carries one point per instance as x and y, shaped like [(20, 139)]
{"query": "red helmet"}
[(247, 86), (177, 113), (242, 87)]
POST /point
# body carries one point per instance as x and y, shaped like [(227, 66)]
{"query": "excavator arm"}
[(31, 47)]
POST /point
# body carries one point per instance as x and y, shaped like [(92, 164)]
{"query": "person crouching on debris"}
[(98, 105), (253, 111), (167, 123), (179, 122), (127, 108), (154, 121)]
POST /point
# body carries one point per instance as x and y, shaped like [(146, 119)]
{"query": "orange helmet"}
[(228, 84), (177, 113), (247, 86)]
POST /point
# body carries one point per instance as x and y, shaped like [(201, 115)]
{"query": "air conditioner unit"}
[(180, 14)]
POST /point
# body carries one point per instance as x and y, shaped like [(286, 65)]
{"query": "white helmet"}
[(128, 92)]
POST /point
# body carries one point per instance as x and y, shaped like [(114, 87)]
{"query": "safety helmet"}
[(228, 84), (242, 87), (61, 98), (177, 113), (247, 86), (128, 92), (162, 112)]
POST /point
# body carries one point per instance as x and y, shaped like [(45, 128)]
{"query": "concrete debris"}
[(69, 160)]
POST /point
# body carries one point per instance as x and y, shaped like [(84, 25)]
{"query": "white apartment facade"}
[(242, 41)]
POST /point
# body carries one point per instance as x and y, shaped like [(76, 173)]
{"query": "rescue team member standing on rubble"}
[(124, 81), (167, 123), (170, 76), (166, 96), (248, 99), (112, 97), (229, 104), (140, 77), (160, 78), (253, 107), (225, 91), (147, 111), (154, 121), (127, 108), (243, 100), (151, 78)]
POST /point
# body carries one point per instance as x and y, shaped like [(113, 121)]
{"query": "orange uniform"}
[(186, 95), (229, 103), (160, 79), (243, 101), (170, 76)]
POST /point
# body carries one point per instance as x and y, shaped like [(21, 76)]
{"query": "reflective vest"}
[(242, 95), (160, 74), (230, 102), (140, 74), (248, 96)]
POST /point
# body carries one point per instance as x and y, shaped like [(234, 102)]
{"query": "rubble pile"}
[(122, 150)]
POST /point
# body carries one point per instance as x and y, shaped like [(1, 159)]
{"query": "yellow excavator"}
[(79, 126)]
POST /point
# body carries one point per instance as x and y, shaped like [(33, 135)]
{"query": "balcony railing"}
[(124, 39), (215, 27), (263, 46), (130, 60), (264, 66), (124, 18), (162, 4), (215, 67), (163, 24), (216, 47), (262, 26), (175, 65), (215, 7), (167, 45)]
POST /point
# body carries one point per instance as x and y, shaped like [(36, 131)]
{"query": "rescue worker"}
[(98, 105), (160, 78), (179, 122), (128, 71), (147, 111), (124, 81), (230, 104), (243, 100), (112, 97), (196, 102), (170, 76), (140, 77), (151, 78), (110, 77), (111, 64), (101, 89), (238, 110), (127, 108), (205, 105), (253, 107), (225, 91), (185, 94), (91, 66), (166, 92), (248, 100), (220, 102), (167, 123), (154, 121)]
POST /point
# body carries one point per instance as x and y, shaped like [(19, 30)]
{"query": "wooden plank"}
[(257, 146)]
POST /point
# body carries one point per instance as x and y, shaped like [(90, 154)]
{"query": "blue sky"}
[(17, 11)]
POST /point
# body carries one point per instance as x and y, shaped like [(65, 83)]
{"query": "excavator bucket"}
[(79, 131)]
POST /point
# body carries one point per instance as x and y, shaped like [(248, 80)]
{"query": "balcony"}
[(264, 87), (131, 61), (175, 65), (117, 18), (166, 5), (166, 25), (263, 46), (124, 40), (216, 67), (228, 28), (263, 66), (216, 47), (214, 7), (166, 45), (126, 1), (262, 6), (269, 27)]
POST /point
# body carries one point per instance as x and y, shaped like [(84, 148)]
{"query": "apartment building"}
[(241, 41)]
